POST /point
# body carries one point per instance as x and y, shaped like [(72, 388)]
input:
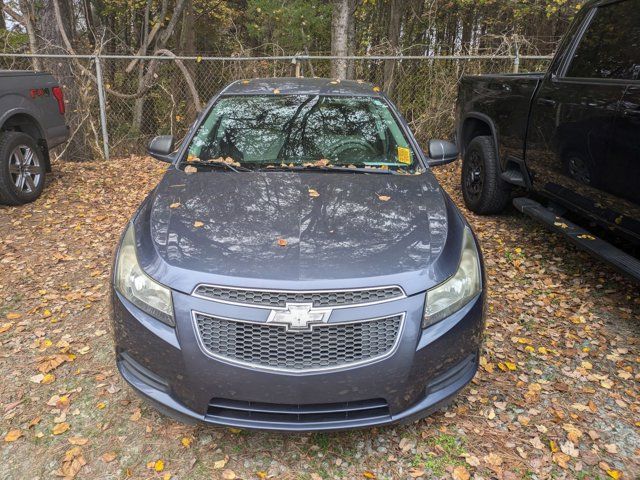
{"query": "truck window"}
[(610, 47)]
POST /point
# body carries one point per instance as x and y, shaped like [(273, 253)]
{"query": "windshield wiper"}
[(220, 165), (328, 168)]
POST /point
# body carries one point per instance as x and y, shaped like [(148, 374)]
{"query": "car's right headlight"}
[(138, 287), (453, 294)]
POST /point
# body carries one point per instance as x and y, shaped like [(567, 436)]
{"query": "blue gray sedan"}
[(298, 267)]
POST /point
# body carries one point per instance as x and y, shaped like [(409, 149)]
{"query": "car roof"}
[(302, 86)]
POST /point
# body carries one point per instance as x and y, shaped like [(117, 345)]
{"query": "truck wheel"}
[(483, 190), (22, 169)]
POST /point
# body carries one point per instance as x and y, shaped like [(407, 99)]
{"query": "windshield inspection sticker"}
[(404, 155)]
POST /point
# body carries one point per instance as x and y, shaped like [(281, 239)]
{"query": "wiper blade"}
[(221, 165), (328, 168)]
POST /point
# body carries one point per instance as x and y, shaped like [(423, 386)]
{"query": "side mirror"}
[(441, 152), (161, 148)]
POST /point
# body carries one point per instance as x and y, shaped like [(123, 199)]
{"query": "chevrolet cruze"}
[(298, 267)]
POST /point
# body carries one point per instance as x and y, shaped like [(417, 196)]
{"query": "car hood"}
[(245, 229)]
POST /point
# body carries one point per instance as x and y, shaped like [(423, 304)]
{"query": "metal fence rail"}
[(118, 102)]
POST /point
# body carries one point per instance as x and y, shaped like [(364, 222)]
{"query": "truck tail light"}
[(57, 92)]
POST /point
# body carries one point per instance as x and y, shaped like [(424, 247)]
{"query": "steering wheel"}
[(354, 149)]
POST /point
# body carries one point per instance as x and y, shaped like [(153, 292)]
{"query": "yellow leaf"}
[(262, 475), (553, 446), (48, 378), (313, 193), (101, 405), (237, 430), (61, 428), (511, 366), (166, 476), (12, 435), (220, 463), (384, 198), (77, 440), (198, 60), (186, 442), (376, 89), (198, 224), (615, 474), (5, 327), (229, 475), (158, 466), (276, 91), (174, 205), (13, 315)]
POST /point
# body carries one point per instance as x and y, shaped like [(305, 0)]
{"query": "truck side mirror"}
[(161, 148), (441, 152)]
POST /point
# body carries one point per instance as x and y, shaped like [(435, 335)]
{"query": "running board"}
[(582, 238)]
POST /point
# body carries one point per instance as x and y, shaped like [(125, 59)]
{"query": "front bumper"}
[(168, 367)]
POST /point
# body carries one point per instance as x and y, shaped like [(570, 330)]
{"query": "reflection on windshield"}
[(302, 130)]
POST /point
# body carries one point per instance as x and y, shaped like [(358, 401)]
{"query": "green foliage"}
[(291, 25)]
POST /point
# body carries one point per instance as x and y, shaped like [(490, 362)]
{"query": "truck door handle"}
[(547, 101)]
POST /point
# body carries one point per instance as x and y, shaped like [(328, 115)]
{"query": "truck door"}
[(569, 143)]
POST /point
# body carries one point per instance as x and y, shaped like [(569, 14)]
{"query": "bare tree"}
[(393, 37), (342, 36)]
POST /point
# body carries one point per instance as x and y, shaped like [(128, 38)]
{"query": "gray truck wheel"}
[(483, 190), (22, 169)]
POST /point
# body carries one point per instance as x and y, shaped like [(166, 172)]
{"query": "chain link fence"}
[(116, 104)]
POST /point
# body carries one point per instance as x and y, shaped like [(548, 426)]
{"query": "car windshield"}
[(263, 131)]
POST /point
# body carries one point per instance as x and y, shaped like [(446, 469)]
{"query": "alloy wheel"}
[(24, 168)]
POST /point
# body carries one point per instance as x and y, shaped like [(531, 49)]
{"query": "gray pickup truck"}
[(31, 123)]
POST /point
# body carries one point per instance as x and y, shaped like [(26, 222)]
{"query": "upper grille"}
[(275, 299), (325, 346)]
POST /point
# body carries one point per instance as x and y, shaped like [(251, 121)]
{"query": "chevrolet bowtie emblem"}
[(299, 316)]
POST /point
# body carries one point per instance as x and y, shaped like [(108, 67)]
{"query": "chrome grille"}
[(325, 346), (276, 299)]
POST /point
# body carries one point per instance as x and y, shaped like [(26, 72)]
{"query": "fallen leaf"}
[(78, 440), (61, 428), (108, 457), (72, 462), (198, 224), (229, 475), (186, 442), (12, 435), (174, 205), (368, 474), (5, 327), (276, 91), (219, 464), (158, 466), (384, 198), (313, 193), (189, 169), (461, 473), (13, 316), (282, 242)]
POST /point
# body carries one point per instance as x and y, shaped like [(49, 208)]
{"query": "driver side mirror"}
[(441, 152), (161, 148)]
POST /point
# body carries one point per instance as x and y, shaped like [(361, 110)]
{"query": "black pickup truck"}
[(31, 123), (564, 145)]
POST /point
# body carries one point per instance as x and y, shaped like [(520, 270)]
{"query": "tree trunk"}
[(393, 37), (51, 41), (340, 37)]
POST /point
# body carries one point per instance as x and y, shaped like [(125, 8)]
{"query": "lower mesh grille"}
[(325, 346), (279, 413)]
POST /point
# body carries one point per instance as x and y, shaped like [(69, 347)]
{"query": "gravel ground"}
[(557, 394)]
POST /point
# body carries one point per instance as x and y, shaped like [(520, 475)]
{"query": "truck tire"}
[(483, 190), (22, 169)]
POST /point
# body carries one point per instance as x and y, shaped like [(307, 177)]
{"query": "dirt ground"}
[(557, 395)]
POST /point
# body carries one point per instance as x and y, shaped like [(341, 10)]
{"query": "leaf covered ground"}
[(557, 395)]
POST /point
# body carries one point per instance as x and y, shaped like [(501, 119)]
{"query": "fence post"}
[(103, 107), (516, 59)]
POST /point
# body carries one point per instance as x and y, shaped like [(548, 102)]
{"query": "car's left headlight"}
[(138, 287), (453, 294)]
